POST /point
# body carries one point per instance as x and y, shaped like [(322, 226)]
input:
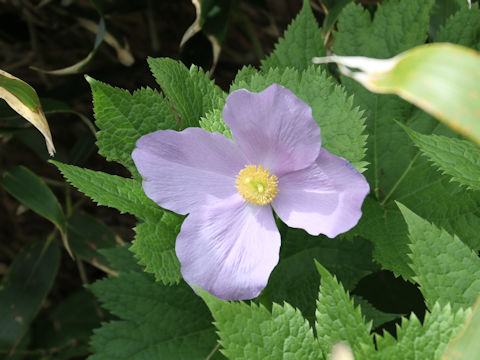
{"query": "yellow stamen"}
[(257, 185)]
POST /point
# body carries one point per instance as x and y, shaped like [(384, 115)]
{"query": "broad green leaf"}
[(397, 171), (123, 118), (447, 271), (123, 194), (455, 209), (441, 79), (396, 26), (338, 320), (463, 28), (417, 341), (302, 41), (22, 98), (86, 236), (32, 192), (458, 158), (465, 345), (155, 322), (25, 288), (154, 245), (295, 279), (191, 92), (253, 332), (442, 11), (341, 123)]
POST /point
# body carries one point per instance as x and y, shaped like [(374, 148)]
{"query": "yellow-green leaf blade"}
[(22, 98), (443, 79)]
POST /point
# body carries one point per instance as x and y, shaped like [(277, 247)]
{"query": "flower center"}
[(257, 185)]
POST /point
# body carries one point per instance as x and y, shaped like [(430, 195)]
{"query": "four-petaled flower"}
[(229, 243)]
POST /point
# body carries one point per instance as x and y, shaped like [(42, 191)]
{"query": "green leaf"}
[(458, 158), (417, 341), (123, 194), (465, 345), (441, 12), (295, 279), (123, 118), (334, 8), (463, 28), (155, 322), (371, 313), (397, 171), (445, 268), (302, 41), (441, 79), (396, 27), (337, 318), (71, 321), (456, 210), (121, 260), (27, 284), (191, 92), (32, 192), (154, 245), (86, 236), (341, 123), (253, 332), (213, 121)]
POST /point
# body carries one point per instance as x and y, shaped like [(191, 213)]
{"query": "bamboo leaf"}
[(22, 98)]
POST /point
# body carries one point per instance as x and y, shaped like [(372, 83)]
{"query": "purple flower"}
[(229, 243)]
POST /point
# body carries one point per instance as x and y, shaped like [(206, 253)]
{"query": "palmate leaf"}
[(417, 341), (146, 312), (191, 92), (457, 158), (397, 170), (123, 118), (447, 271), (301, 42), (341, 123)]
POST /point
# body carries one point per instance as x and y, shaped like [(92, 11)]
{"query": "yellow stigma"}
[(257, 185)]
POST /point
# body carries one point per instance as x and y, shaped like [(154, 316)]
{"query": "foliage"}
[(421, 220)]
